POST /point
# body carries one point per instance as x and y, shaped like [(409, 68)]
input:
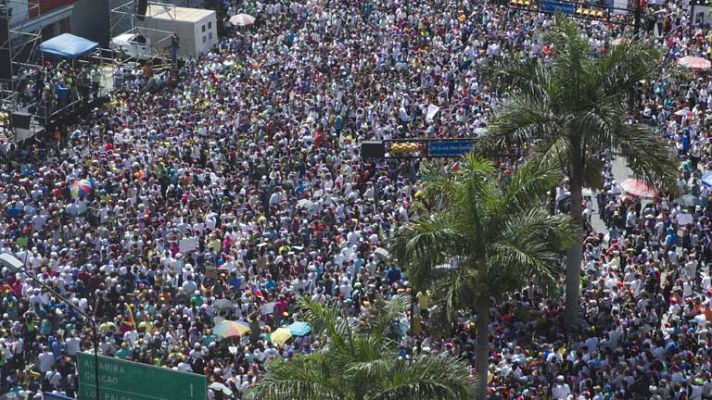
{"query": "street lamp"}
[(16, 265)]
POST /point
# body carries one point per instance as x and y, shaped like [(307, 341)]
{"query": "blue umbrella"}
[(299, 328), (707, 179)]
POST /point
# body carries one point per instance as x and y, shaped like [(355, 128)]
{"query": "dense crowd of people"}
[(238, 187)]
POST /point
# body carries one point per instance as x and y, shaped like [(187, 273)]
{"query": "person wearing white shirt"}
[(184, 367), (73, 345), (45, 360), (189, 286), (691, 268), (54, 378), (561, 389), (131, 337)]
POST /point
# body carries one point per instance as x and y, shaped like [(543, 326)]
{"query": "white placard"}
[(267, 308), (187, 245), (684, 219), (432, 110)]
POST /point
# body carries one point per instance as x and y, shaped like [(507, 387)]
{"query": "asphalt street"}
[(621, 172)]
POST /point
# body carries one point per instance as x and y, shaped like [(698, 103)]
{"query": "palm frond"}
[(647, 154), (530, 245), (529, 184), (382, 314), (522, 121), (424, 244), (458, 289), (303, 377), (426, 377), (362, 366), (327, 319), (554, 151), (626, 65)]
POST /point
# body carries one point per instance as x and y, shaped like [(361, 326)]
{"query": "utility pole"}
[(693, 3)]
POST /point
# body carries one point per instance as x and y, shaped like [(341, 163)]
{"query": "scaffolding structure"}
[(126, 19), (21, 48)]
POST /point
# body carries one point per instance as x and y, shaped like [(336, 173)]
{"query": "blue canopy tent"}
[(68, 46)]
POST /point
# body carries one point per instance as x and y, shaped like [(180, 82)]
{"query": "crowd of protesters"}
[(238, 186)]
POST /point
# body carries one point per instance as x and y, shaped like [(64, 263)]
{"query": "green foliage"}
[(499, 234), (360, 361), (568, 109)]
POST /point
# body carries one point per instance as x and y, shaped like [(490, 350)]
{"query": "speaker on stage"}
[(141, 7), (5, 60), (373, 149), (20, 120)]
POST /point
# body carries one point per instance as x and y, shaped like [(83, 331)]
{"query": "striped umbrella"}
[(227, 329)]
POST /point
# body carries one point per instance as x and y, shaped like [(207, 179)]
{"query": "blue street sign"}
[(449, 148), (552, 6)]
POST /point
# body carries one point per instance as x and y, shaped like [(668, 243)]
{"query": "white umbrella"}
[(224, 304), (219, 387), (305, 203), (382, 253), (480, 131), (242, 20)]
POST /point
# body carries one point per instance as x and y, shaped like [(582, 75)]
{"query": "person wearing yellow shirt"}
[(423, 300), (214, 244)]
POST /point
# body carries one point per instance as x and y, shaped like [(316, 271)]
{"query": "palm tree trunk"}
[(573, 254), (482, 306)]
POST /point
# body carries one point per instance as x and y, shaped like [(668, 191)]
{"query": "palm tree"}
[(360, 361), (483, 240), (568, 110)]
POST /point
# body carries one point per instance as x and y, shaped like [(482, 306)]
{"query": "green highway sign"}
[(125, 380)]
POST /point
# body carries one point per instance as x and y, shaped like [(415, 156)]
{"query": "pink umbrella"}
[(637, 187), (695, 63)]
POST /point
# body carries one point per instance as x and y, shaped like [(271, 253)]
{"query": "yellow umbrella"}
[(280, 336)]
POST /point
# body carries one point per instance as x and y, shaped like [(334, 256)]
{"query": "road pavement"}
[(621, 172)]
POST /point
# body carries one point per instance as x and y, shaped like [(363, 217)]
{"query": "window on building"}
[(210, 25), (210, 36), (203, 28), (205, 39)]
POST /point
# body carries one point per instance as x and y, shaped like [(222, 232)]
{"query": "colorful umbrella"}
[(695, 63), (228, 329), (81, 188), (280, 336), (683, 112), (242, 20), (638, 188), (299, 328)]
